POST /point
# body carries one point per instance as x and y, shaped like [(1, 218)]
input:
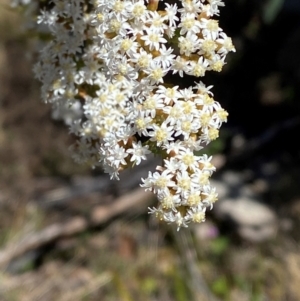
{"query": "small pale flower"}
[(138, 152)]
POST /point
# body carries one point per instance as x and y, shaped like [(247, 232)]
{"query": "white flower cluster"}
[(104, 72)]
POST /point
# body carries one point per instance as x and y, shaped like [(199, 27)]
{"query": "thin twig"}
[(196, 282), (134, 201)]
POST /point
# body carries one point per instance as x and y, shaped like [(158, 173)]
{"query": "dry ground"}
[(130, 257)]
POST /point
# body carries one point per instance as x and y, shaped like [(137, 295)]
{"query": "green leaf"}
[(271, 10)]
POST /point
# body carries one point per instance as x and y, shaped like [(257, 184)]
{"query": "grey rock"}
[(240, 205)]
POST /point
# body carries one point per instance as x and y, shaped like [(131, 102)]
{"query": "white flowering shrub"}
[(104, 72)]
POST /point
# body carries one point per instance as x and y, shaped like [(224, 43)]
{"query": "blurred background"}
[(68, 233)]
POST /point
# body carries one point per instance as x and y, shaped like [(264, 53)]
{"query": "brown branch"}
[(134, 201)]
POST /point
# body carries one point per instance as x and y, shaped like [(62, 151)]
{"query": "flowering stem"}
[(117, 97)]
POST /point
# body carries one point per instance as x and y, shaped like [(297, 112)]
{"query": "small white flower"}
[(161, 134), (171, 13), (153, 39), (183, 184), (158, 182), (180, 66), (155, 72), (174, 147), (117, 156), (196, 214), (172, 165), (151, 104), (168, 201), (138, 152), (189, 24), (188, 159), (189, 44), (165, 58), (168, 94)]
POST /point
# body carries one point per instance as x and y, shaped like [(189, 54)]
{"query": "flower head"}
[(108, 73)]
